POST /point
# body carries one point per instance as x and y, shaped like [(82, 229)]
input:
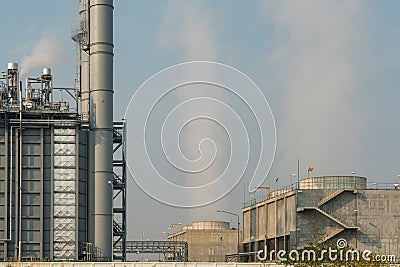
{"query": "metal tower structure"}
[(119, 186), (62, 167), (94, 40)]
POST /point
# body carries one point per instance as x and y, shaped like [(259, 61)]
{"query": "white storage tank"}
[(207, 225), (334, 182)]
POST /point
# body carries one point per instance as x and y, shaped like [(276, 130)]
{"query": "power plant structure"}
[(62, 164), (207, 241), (63, 179), (322, 210)]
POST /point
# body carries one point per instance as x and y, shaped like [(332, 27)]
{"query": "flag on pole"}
[(310, 169), (276, 180)]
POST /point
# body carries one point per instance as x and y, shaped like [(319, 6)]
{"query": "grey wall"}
[(377, 217), (376, 213), (54, 171), (270, 219), (207, 245)]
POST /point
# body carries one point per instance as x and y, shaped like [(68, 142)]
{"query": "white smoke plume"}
[(193, 29), (190, 27), (47, 52), (316, 54)]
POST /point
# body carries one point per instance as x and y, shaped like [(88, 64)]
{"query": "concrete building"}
[(325, 209), (208, 241)]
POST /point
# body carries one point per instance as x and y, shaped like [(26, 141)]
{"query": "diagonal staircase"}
[(332, 196), (344, 225), (336, 219), (331, 235)]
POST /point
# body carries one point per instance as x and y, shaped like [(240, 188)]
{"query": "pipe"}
[(85, 62), (101, 121), (11, 180), (41, 122), (20, 179), (84, 86), (16, 200), (8, 237)]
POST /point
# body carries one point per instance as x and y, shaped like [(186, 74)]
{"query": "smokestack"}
[(101, 122), (84, 60)]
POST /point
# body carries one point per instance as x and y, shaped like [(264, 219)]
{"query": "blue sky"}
[(329, 69)]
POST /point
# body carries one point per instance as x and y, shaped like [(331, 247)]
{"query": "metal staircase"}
[(337, 219), (331, 235), (118, 229), (119, 188), (332, 196)]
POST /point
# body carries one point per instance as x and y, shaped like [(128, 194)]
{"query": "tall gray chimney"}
[(101, 122)]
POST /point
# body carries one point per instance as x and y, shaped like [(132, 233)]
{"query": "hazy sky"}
[(329, 70)]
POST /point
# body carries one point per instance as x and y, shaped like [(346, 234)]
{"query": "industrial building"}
[(323, 209), (62, 192), (208, 241)]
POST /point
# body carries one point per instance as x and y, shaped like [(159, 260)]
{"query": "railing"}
[(340, 219), (117, 227), (382, 186), (331, 235), (323, 185), (330, 197), (117, 180), (89, 252), (254, 201), (274, 194), (179, 249)]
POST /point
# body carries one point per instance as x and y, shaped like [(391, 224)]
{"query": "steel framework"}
[(119, 186), (177, 250)]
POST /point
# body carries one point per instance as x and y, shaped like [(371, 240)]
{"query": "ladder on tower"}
[(119, 188)]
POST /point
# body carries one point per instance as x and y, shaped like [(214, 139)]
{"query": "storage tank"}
[(334, 182), (209, 225)]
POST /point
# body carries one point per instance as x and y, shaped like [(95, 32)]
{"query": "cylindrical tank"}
[(101, 122), (12, 66), (215, 225), (13, 81), (334, 182), (46, 72)]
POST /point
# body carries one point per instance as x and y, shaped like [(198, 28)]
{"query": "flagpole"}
[(244, 192), (297, 201), (298, 172)]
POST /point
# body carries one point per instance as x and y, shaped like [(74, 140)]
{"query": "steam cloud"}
[(319, 45), (190, 28), (46, 52)]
